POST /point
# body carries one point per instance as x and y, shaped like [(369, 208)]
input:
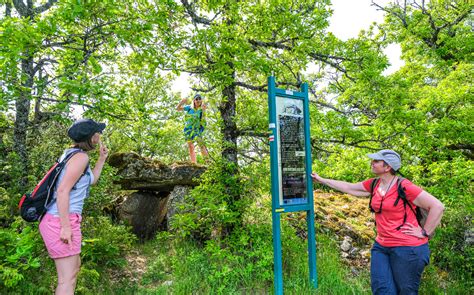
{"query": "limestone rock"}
[(145, 174), (469, 237), (346, 244), (160, 190), (145, 212), (353, 252), (175, 199), (345, 215)]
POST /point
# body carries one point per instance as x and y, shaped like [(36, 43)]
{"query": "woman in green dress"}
[(195, 125)]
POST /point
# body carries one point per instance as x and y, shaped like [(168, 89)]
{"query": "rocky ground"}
[(345, 217)]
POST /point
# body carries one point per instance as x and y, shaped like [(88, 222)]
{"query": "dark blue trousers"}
[(397, 270)]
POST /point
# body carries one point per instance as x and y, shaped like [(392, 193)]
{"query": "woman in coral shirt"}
[(400, 251)]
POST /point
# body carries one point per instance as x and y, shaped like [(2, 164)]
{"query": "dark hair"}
[(393, 172), (85, 145)]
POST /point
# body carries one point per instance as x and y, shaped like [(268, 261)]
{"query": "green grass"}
[(194, 270), (172, 266), (334, 277), (436, 282)]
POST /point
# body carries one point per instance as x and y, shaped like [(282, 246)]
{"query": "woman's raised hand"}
[(103, 151)]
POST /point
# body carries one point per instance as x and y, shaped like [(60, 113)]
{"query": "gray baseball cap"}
[(390, 157)]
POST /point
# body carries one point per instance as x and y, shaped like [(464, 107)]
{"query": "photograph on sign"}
[(291, 151)]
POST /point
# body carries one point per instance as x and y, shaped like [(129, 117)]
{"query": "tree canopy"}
[(116, 61)]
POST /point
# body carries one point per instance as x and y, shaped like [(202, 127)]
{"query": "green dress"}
[(194, 126)]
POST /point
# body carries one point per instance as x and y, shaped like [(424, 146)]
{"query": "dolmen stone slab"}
[(159, 189), (145, 174)]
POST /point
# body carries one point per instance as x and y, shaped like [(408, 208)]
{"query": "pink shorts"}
[(50, 228)]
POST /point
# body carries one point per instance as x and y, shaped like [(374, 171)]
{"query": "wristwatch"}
[(424, 233)]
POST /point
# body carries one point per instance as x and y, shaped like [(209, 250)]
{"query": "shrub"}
[(19, 251), (104, 194), (449, 249), (213, 208), (103, 243)]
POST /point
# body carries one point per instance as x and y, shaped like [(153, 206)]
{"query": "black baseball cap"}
[(83, 129)]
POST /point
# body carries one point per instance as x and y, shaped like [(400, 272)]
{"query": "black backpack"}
[(34, 205), (420, 213)]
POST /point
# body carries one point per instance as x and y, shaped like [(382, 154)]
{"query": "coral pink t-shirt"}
[(391, 216)]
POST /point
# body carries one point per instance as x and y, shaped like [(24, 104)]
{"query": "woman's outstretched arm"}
[(355, 189)]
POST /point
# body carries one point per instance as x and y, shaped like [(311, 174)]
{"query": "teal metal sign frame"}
[(303, 204)]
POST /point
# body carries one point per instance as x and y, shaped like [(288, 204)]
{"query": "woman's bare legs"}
[(204, 152), (192, 153), (67, 269), (203, 148)]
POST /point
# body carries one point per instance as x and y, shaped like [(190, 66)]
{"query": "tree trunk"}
[(21, 120), (229, 151), (229, 128), (24, 98), (8, 9)]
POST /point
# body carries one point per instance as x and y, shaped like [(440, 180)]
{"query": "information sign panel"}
[(290, 161), (291, 151)]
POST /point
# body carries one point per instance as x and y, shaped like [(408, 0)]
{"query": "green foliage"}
[(348, 164), (451, 182), (210, 210), (19, 249), (424, 110), (5, 209), (103, 196), (104, 244), (118, 59), (26, 268), (450, 249), (226, 269), (156, 134), (89, 276), (436, 281)]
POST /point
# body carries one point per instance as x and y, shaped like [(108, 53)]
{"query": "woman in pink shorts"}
[(61, 225)]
